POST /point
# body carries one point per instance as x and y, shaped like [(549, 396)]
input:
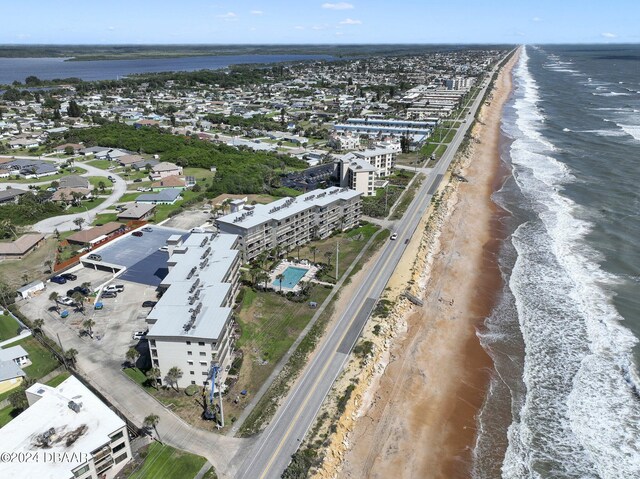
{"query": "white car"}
[(114, 288), (138, 335), (394, 236), (66, 300)]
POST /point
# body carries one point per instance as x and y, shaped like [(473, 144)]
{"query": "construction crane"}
[(210, 410)]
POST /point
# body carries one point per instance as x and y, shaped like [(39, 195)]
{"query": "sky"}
[(317, 21)]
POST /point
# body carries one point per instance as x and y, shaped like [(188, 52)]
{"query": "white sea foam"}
[(580, 416), (605, 132)]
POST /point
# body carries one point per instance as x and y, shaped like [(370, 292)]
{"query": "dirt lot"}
[(189, 219)]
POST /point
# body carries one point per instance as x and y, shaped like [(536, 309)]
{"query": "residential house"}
[(138, 211), (165, 169), (20, 247), (73, 181), (162, 197)]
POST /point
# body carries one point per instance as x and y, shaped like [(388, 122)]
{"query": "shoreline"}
[(429, 381)]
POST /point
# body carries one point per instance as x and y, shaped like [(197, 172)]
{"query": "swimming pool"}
[(291, 277)]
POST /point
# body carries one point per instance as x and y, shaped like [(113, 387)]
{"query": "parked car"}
[(69, 276), (67, 301), (138, 335), (109, 294), (197, 229), (138, 180), (58, 279), (111, 178), (117, 288), (94, 257), (164, 248), (394, 236), (137, 233), (149, 304), (84, 290), (147, 229), (120, 208)]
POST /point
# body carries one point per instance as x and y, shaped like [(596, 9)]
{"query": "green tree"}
[(54, 297), (71, 355), (68, 150), (313, 250), (173, 375), (152, 421), (78, 298), (37, 325), (328, 255), (279, 279), (153, 375), (132, 357), (88, 324), (74, 110), (101, 186), (79, 222)]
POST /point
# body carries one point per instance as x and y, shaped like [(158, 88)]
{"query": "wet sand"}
[(422, 419)]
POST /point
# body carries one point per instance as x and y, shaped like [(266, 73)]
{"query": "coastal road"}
[(272, 451)]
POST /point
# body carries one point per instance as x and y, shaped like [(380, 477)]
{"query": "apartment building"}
[(68, 432), (356, 173), (191, 325), (289, 222)]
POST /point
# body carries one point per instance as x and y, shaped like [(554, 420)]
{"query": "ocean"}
[(12, 69), (564, 401)]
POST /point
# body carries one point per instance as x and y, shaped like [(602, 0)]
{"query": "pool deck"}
[(283, 265)]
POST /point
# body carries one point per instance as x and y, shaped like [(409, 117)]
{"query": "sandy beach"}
[(417, 416)]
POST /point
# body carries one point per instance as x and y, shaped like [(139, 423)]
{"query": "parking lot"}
[(113, 325), (141, 256)]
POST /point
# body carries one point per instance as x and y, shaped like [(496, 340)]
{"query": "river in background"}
[(12, 69)]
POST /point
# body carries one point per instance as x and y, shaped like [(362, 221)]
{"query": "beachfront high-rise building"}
[(289, 222), (67, 432), (191, 325)]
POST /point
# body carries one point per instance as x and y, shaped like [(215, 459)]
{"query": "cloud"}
[(609, 35), (536, 19), (228, 16), (338, 6), (351, 21), (298, 27), (256, 12)]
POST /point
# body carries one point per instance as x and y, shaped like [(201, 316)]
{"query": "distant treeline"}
[(238, 171)]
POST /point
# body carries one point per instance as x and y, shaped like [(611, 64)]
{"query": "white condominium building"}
[(191, 325), (66, 432), (289, 222), (359, 170)]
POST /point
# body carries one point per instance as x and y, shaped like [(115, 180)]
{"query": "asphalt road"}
[(272, 451)]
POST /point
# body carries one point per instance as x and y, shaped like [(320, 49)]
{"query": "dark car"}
[(94, 257), (149, 304), (69, 276), (147, 229), (137, 233), (58, 279), (138, 180), (109, 294), (84, 290)]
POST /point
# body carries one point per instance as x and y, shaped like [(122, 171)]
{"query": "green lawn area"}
[(7, 414), (105, 218), (200, 174), (95, 181), (12, 271), (165, 462), (129, 197), (8, 327), (449, 137), (440, 151), (162, 211), (58, 379), (42, 361), (378, 206), (85, 206), (102, 164)]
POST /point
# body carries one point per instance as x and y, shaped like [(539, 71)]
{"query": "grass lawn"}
[(85, 206), (53, 382), (162, 211), (7, 414), (200, 174), (129, 197), (102, 164), (449, 137), (32, 265), (165, 462), (42, 361), (8, 327), (105, 218), (440, 151), (95, 181), (407, 198)]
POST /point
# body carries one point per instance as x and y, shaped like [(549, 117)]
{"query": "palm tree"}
[(152, 420), (172, 377), (70, 355), (279, 278), (54, 297), (78, 297), (37, 325), (102, 186), (314, 250), (48, 263), (254, 272), (262, 277), (328, 255), (153, 374), (88, 324), (132, 357), (25, 277)]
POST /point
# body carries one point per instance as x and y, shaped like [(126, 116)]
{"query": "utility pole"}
[(337, 257)]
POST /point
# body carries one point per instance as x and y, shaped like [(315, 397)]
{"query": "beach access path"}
[(273, 449)]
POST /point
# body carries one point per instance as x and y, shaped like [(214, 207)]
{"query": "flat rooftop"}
[(285, 207), (92, 423)]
